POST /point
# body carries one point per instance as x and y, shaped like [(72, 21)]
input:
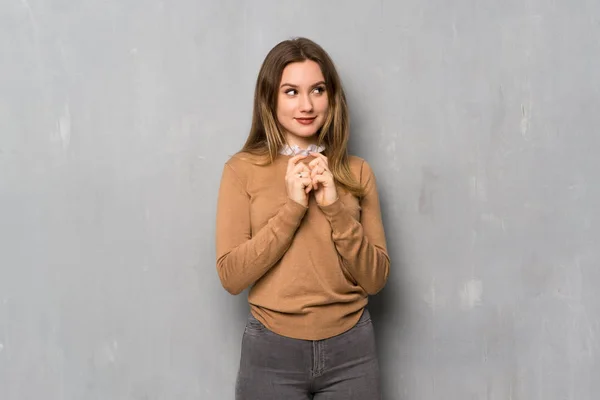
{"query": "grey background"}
[(480, 119)]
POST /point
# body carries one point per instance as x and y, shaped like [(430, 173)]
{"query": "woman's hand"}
[(323, 184), (298, 180)]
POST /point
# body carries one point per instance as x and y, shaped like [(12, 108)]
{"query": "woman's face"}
[(302, 103)]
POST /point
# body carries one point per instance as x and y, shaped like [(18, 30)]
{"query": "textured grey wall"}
[(480, 119)]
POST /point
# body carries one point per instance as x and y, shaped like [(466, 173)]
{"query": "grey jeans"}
[(274, 367)]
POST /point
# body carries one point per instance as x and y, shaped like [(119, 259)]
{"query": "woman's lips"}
[(306, 121)]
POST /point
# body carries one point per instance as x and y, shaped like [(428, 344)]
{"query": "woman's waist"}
[(308, 321)]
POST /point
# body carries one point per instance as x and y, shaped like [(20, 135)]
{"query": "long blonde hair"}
[(266, 134)]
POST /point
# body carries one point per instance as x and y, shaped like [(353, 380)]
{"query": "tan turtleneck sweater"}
[(310, 268)]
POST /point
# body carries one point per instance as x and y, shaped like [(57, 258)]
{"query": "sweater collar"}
[(295, 150)]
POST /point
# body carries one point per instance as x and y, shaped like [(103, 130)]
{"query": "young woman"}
[(298, 221)]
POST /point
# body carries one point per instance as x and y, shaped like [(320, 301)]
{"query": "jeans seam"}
[(322, 357)]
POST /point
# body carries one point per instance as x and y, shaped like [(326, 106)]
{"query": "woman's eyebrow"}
[(295, 86)]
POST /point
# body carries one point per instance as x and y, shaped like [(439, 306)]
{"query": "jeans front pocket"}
[(365, 319), (254, 326)]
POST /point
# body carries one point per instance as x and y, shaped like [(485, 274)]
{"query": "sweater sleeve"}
[(362, 245), (243, 257)]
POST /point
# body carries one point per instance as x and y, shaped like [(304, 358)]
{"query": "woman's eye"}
[(291, 92), (319, 89)]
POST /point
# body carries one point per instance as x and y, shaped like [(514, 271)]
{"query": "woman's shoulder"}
[(246, 159), (356, 164), (244, 162), (360, 168), (355, 161), (241, 158)]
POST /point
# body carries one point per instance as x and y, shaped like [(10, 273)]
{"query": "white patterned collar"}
[(295, 150)]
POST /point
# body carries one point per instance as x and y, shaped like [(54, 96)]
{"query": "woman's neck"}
[(303, 143)]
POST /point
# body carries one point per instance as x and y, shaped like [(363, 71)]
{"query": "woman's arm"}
[(361, 245), (243, 258)]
